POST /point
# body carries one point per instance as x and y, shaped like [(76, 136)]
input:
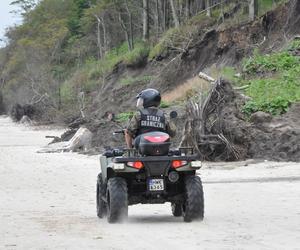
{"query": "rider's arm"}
[(132, 129), (171, 128), (128, 139)]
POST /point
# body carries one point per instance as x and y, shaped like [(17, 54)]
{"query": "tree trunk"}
[(208, 8), (99, 43), (125, 31), (131, 47), (253, 9), (174, 13), (145, 20), (202, 4), (105, 42), (187, 9), (222, 11), (157, 18), (164, 24)]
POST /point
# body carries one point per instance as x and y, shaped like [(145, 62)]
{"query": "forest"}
[(64, 51)]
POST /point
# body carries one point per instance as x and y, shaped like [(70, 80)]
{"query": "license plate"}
[(156, 185)]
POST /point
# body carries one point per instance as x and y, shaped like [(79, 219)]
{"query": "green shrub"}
[(198, 19), (271, 63), (294, 45), (99, 68), (137, 55), (164, 104), (125, 116), (67, 93), (173, 38), (157, 50), (250, 107), (276, 106)]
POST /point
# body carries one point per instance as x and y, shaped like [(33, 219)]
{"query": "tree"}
[(208, 8), (24, 5), (174, 13), (187, 9), (253, 9), (77, 11), (145, 20)]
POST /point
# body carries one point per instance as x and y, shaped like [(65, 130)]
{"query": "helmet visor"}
[(140, 102)]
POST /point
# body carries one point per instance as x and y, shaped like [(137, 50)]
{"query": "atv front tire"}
[(176, 209), (193, 207), (101, 205), (117, 200)]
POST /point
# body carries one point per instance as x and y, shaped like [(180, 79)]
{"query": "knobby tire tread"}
[(118, 199), (101, 205), (194, 205)]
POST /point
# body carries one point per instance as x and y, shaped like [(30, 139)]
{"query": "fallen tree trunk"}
[(81, 140)]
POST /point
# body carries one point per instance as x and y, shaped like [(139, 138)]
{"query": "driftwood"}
[(26, 120), (204, 128), (206, 77), (81, 140)]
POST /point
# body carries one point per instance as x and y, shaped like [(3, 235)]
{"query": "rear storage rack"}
[(156, 158)]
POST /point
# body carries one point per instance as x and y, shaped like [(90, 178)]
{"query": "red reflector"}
[(135, 164), (160, 138), (178, 163)]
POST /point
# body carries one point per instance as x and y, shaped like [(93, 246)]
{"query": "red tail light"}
[(178, 163), (159, 138), (136, 164)]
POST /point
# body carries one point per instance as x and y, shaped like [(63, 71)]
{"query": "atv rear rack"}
[(156, 158), (132, 152)]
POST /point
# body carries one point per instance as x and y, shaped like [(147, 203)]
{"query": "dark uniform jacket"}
[(149, 120)]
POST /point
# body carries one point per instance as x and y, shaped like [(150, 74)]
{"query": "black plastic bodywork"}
[(155, 167)]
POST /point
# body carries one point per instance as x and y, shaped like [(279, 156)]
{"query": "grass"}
[(100, 68), (271, 95), (294, 45), (273, 79), (135, 80), (278, 84), (92, 74), (267, 5), (229, 73), (137, 55), (186, 90), (120, 54), (67, 93), (270, 63), (174, 39), (168, 38)]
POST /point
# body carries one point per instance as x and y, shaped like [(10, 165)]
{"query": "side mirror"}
[(173, 114)]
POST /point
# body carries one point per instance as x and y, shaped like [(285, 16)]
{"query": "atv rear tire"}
[(193, 207), (117, 200), (101, 205), (176, 209)]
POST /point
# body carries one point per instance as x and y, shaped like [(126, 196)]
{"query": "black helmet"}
[(149, 97)]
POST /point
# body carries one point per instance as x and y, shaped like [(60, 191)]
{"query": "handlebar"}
[(119, 132)]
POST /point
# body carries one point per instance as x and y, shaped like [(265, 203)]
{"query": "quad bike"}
[(151, 174)]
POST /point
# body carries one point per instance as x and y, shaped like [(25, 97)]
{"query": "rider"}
[(148, 118)]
